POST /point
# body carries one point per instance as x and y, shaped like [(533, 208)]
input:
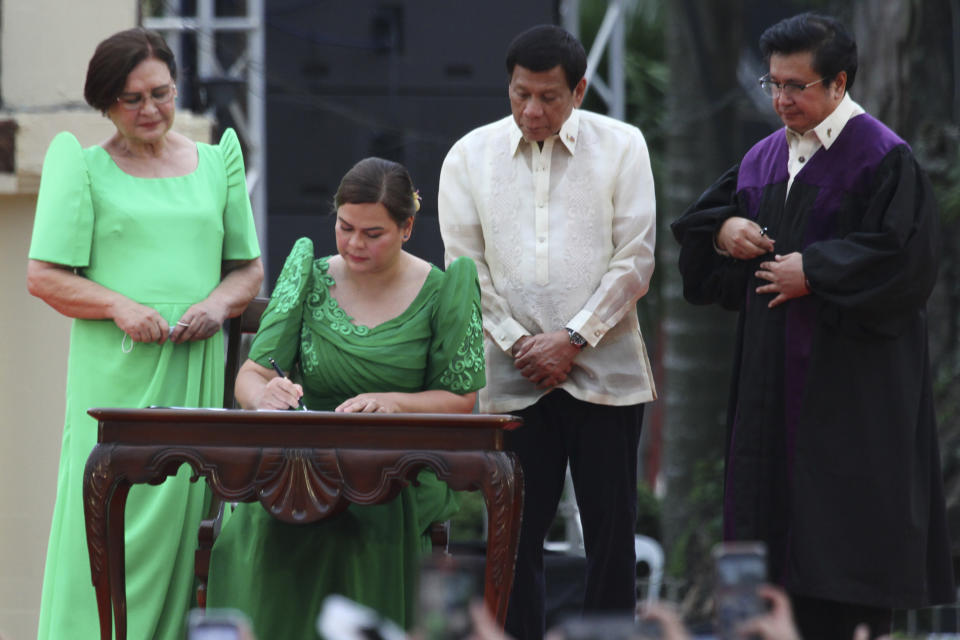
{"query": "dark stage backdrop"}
[(400, 80)]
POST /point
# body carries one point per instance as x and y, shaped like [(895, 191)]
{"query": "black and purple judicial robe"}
[(832, 451)]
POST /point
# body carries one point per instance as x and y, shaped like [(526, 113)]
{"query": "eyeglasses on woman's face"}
[(135, 101), (786, 89)]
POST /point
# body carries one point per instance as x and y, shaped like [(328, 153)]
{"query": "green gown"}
[(367, 553), (161, 242)]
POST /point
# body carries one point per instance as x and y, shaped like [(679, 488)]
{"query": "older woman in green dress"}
[(147, 240), (370, 329)]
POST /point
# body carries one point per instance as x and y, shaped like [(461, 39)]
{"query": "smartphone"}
[(447, 586), (609, 627), (218, 624), (740, 567)]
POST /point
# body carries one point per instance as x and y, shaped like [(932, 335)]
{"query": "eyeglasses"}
[(159, 95), (789, 89)]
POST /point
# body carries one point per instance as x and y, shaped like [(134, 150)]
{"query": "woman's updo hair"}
[(116, 57), (375, 180)]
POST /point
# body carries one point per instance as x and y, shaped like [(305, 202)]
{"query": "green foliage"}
[(151, 8), (938, 150), (467, 524), (950, 194), (648, 513), (689, 554), (645, 67)]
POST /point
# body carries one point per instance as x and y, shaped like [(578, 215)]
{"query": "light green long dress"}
[(161, 242), (279, 573)]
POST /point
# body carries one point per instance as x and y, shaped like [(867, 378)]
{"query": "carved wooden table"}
[(302, 467)]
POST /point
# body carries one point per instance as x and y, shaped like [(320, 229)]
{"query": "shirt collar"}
[(516, 137), (570, 131), (830, 127), (568, 134)]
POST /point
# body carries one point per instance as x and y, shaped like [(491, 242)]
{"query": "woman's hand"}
[(77, 297), (370, 403), (204, 319), (430, 401), (743, 239), (280, 393), (199, 322), (258, 387), (140, 322)]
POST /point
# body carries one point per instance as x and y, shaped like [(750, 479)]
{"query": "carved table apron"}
[(302, 466)]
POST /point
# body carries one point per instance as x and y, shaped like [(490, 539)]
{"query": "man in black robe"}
[(824, 238)]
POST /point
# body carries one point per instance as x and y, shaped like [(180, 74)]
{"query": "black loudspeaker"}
[(401, 80)]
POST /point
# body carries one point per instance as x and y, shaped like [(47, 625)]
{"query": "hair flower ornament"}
[(416, 199)]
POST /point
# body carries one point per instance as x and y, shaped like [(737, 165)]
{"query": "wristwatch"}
[(576, 339)]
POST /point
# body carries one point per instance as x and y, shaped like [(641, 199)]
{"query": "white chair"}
[(649, 551)]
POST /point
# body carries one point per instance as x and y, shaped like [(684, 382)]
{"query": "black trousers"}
[(828, 620), (600, 443)]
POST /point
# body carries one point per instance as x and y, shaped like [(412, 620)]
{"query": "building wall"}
[(33, 343), (45, 47)]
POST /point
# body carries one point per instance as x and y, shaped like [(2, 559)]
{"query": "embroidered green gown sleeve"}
[(279, 574)]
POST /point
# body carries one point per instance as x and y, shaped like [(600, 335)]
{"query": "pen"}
[(763, 231), (279, 371)]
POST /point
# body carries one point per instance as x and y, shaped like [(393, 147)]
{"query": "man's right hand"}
[(545, 359), (743, 239)]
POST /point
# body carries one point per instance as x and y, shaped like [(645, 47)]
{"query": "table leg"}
[(116, 557), (497, 474), (104, 502), (98, 485), (503, 494)]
